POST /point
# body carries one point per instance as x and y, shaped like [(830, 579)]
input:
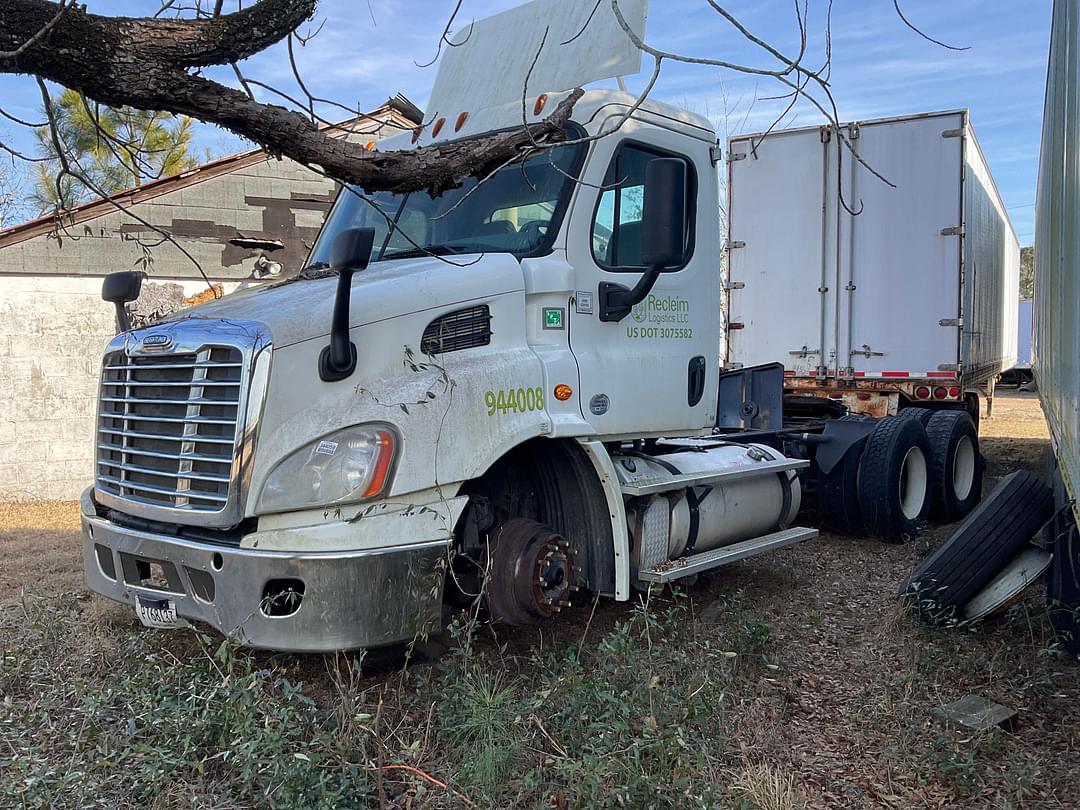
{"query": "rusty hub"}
[(531, 572)]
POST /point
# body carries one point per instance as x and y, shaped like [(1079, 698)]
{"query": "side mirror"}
[(351, 251), (663, 216), (120, 289), (663, 229)]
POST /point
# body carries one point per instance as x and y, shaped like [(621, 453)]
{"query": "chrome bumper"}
[(354, 599)]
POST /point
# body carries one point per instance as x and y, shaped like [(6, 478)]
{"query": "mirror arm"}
[(123, 317), (338, 360), (616, 300)]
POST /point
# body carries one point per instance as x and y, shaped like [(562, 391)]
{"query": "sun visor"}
[(488, 60)]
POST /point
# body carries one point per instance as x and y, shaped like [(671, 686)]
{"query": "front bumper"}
[(351, 599)]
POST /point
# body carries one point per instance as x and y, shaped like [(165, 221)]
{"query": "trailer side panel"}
[(1056, 339)]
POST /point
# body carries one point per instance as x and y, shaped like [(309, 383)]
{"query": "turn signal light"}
[(384, 441), (563, 392)]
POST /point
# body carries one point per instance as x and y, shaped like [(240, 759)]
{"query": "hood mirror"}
[(120, 289), (350, 252)]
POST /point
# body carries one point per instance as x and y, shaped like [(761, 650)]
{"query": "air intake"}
[(464, 329)]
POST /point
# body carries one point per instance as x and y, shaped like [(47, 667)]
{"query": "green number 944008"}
[(517, 400)]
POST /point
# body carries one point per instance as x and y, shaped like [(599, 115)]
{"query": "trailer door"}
[(901, 254), (777, 199)]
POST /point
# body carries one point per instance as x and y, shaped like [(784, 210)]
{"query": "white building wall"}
[(53, 330)]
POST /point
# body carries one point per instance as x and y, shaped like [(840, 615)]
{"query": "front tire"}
[(894, 479)]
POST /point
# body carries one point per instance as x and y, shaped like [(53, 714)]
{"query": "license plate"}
[(156, 612)]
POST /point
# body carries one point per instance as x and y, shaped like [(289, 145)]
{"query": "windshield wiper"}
[(431, 250)]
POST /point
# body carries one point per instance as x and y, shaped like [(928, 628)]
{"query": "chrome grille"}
[(169, 426)]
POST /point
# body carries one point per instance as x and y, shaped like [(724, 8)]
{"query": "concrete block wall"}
[(53, 330)]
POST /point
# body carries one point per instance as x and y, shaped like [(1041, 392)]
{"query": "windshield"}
[(513, 211)]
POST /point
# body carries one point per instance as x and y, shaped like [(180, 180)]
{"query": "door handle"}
[(695, 380)]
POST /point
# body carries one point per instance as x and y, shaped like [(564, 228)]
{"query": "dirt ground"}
[(846, 704)]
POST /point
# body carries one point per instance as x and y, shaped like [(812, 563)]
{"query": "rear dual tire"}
[(956, 465), (894, 479)]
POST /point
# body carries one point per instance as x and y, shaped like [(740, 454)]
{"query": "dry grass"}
[(816, 670), (767, 788)]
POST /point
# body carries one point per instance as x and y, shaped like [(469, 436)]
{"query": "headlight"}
[(350, 465)]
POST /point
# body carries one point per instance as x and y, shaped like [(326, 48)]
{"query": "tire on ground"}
[(838, 494), (956, 469), (894, 479), (981, 546)]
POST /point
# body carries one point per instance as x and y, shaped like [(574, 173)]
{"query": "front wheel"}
[(894, 479)]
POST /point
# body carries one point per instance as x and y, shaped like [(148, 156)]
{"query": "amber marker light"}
[(461, 119), (370, 146), (563, 392), (541, 100), (435, 130), (416, 133), (387, 449)]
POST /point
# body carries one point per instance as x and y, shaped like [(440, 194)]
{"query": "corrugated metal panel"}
[(1056, 340)]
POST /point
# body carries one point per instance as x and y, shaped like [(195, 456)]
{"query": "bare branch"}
[(923, 34)]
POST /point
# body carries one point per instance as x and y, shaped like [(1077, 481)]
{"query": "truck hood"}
[(301, 310)]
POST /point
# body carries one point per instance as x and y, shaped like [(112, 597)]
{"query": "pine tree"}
[(113, 148)]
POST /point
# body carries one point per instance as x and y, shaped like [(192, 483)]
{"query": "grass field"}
[(789, 680)]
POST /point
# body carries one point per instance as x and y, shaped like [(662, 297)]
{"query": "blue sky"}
[(369, 50)]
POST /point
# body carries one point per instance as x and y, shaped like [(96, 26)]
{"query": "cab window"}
[(616, 232)]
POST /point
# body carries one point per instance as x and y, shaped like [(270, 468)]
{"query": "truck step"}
[(652, 486), (707, 560)]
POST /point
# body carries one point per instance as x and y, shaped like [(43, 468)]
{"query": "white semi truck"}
[(513, 386)]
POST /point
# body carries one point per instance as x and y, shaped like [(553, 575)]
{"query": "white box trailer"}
[(880, 294)]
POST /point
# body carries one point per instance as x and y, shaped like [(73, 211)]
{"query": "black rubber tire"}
[(880, 485), (838, 494), (922, 415), (981, 546), (947, 430)]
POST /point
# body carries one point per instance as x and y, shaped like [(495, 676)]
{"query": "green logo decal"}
[(554, 317)]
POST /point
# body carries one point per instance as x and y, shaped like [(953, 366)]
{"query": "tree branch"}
[(144, 63)]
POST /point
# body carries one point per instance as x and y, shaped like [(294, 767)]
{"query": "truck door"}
[(655, 371)]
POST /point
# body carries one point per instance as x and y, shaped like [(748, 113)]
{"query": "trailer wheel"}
[(532, 572), (894, 479), (921, 415), (956, 465), (838, 494), (981, 546)]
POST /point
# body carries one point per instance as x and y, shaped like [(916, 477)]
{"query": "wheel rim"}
[(913, 482), (532, 573), (963, 471)]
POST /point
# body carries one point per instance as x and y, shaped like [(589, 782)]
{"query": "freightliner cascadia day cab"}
[(880, 296), (512, 387)]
